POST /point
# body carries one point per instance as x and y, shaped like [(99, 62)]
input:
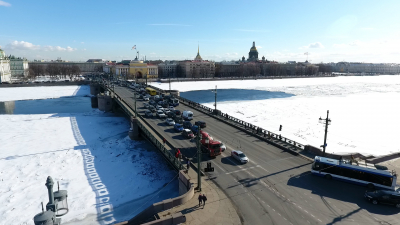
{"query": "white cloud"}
[(23, 45), (6, 4), (258, 47), (313, 45), (355, 43)]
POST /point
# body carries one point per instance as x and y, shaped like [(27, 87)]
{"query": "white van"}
[(187, 115)]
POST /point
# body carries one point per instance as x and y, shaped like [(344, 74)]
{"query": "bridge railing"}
[(261, 132), (164, 149)]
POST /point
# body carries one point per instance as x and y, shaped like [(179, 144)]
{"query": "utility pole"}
[(327, 122), (198, 160), (215, 100)]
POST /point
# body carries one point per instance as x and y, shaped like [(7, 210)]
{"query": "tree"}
[(75, 71)]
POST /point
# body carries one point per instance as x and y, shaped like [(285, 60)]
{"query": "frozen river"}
[(363, 109)]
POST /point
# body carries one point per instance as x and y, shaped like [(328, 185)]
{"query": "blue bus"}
[(365, 174)]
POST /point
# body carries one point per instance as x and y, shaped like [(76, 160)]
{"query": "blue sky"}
[(331, 31)]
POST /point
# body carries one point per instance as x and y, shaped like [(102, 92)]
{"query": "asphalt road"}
[(275, 187)]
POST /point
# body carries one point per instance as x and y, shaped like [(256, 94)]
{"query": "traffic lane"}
[(261, 196), (345, 201)]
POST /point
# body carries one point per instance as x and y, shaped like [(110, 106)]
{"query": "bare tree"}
[(75, 71)]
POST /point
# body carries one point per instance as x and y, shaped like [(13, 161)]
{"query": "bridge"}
[(276, 186)]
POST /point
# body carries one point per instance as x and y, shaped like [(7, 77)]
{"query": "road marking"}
[(243, 169), (220, 167)]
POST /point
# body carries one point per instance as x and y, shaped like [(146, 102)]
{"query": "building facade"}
[(366, 68), (197, 68), (168, 69), (19, 66), (135, 69), (85, 67), (5, 71)]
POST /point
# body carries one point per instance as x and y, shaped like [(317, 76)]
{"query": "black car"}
[(170, 114), (384, 197), (152, 108), (177, 112), (201, 124), (187, 125)]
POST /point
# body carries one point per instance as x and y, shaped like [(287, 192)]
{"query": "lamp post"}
[(327, 122), (199, 159), (215, 104), (56, 207)]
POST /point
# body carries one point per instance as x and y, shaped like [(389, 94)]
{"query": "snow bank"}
[(42, 92)]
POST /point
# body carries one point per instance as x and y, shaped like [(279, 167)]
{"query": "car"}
[(178, 112), (148, 113), (170, 114), (187, 133), (240, 156), (146, 98), (202, 124), (160, 114), (171, 108), (195, 129), (178, 119), (178, 127), (187, 125), (223, 147), (166, 111), (146, 105), (170, 121), (159, 107), (152, 108), (383, 196)]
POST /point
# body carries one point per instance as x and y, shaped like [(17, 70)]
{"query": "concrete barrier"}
[(152, 210)]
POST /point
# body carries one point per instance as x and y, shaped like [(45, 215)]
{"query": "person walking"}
[(200, 199), (187, 165), (204, 200), (164, 141)]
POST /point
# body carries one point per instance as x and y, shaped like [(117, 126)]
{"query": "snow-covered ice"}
[(363, 109), (108, 177)]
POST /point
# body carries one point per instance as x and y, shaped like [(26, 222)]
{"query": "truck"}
[(209, 145), (187, 115)]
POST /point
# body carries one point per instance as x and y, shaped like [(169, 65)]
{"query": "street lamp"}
[(56, 207), (215, 104), (327, 122)]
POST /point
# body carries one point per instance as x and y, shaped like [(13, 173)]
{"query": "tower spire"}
[(198, 49)]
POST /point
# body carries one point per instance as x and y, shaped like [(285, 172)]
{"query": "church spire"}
[(198, 57)]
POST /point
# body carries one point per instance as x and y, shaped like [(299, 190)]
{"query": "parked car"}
[(195, 129), (152, 108), (187, 125), (159, 107), (148, 113), (202, 124), (187, 115), (146, 105), (178, 127), (166, 111), (171, 108), (178, 112), (160, 114), (187, 133), (170, 115), (146, 98), (170, 121), (383, 196), (240, 156)]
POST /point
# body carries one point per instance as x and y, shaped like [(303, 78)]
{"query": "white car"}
[(159, 107), (146, 98), (170, 121), (238, 155), (146, 105), (161, 114), (166, 111), (171, 108), (223, 147)]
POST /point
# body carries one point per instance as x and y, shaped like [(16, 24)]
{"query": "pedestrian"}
[(200, 199), (204, 200), (188, 164), (164, 141)]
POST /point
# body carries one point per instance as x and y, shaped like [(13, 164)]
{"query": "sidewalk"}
[(218, 209)]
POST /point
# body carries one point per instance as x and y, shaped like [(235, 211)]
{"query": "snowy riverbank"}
[(108, 177)]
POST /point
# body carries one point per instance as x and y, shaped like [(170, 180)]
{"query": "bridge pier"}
[(94, 89), (134, 131), (105, 102)]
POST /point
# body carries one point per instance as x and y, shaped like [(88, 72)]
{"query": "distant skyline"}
[(352, 31)]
